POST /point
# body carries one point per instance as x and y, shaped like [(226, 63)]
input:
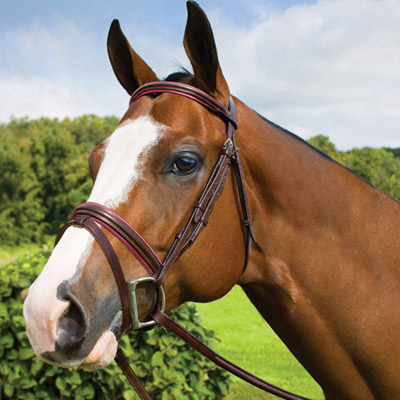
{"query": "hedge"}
[(166, 366)]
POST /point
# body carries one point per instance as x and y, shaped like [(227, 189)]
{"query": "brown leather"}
[(115, 224), (187, 91), (91, 215), (131, 376), (86, 222), (203, 349), (201, 212)]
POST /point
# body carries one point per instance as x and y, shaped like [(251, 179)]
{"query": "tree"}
[(323, 144), (377, 166), (381, 167), (44, 169)]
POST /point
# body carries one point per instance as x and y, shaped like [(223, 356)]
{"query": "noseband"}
[(94, 216)]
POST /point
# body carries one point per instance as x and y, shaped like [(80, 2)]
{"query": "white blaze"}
[(42, 308), (120, 169)]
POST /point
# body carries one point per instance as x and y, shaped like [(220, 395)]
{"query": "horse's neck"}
[(305, 205), (327, 240)]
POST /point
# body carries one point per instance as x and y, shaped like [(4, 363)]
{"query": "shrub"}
[(166, 366)]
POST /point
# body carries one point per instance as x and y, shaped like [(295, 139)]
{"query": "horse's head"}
[(151, 171)]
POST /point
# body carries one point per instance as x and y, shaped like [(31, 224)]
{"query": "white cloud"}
[(62, 69), (330, 68), (36, 97)]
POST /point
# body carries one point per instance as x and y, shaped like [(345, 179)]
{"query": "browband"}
[(190, 92)]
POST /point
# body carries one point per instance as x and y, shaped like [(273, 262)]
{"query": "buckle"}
[(228, 143), (230, 149), (133, 284)]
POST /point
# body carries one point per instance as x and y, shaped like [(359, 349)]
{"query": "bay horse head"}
[(324, 271), (150, 172)]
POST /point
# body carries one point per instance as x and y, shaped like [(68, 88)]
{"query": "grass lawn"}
[(247, 340)]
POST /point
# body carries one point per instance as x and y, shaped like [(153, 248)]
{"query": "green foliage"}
[(381, 167), (43, 165), (167, 367), (377, 166), (323, 144), (396, 151)]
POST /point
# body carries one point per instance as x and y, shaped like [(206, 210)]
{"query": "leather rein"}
[(93, 217)]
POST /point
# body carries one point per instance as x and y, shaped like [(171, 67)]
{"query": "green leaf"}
[(7, 341), (222, 386), (151, 337), (157, 360), (36, 366), (8, 390), (86, 391), (4, 368), (28, 383), (128, 395), (60, 383), (74, 378), (167, 339), (165, 396), (25, 353), (12, 354), (172, 352), (3, 310)]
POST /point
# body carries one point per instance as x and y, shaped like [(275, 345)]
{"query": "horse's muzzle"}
[(72, 326)]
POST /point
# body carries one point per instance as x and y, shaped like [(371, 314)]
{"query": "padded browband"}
[(187, 91)]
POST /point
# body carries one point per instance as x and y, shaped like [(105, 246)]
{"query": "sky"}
[(329, 67)]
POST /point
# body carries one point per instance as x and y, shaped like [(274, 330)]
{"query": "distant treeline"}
[(44, 171), (381, 167)]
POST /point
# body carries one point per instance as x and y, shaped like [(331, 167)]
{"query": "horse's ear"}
[(128, 67), (200, 48)]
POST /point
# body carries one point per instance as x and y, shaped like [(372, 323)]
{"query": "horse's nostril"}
[(72, 327)]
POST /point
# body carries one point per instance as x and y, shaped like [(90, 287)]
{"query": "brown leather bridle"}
[(93, 216)]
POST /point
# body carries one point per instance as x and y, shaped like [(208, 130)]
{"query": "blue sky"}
[(314, 67)]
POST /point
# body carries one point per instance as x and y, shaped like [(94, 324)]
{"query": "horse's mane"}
[(293, 135), (304, 142), (182, 76)]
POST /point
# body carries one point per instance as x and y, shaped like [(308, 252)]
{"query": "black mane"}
[(183, 76), (293, 135)]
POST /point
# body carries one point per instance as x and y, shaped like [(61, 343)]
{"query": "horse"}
[(323, 267)]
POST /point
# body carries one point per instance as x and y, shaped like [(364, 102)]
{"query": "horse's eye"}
[(184, 165)]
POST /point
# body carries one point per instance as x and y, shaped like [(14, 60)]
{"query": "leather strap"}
[(194, 342), (187, 91), (201, 212), (120, 228), (85, 221), (131, 376), (241, 187)]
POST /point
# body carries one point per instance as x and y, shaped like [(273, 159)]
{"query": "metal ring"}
[(133, 284)]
